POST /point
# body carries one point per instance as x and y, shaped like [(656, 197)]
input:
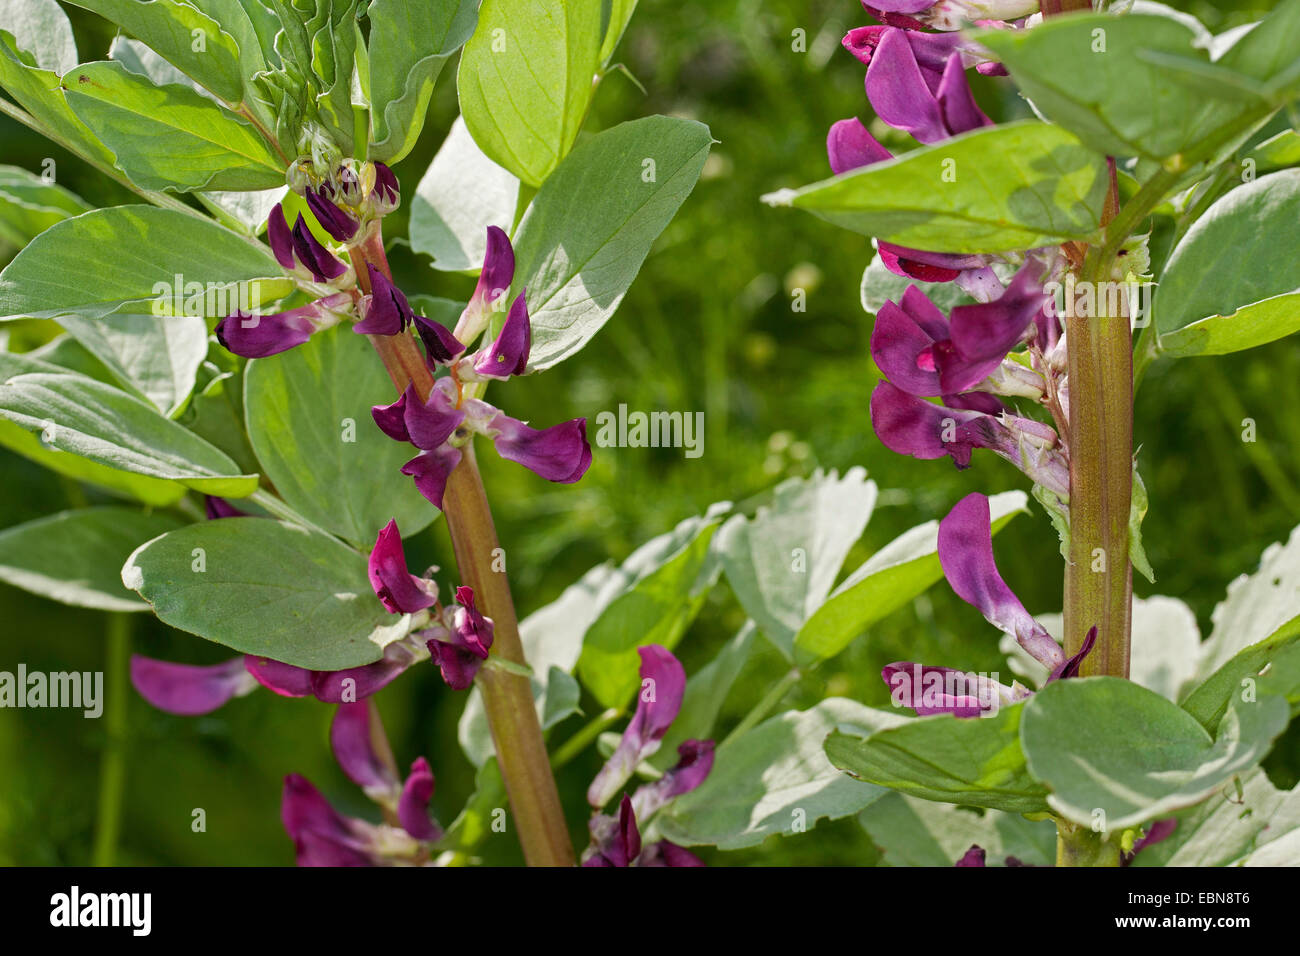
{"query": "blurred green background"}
[(708, 327)]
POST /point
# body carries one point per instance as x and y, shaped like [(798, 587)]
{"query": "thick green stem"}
[(1079, 846), (507, 697), (1099, 576), (112, 767)]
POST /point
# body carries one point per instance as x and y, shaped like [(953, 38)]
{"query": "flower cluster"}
[(441, 423), (966, 555), (457, 637), (616, 840), (1159, 830), (324, 837), (345, 204)]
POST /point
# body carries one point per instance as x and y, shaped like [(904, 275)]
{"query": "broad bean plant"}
[(233, 365)]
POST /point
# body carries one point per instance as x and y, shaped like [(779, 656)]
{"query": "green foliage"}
[(261, 586), (1012, 186)]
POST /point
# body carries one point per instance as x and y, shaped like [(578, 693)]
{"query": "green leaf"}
[(1137, 85), (620, 14), (41, 28), (584, 237), (664, 584), (473, 824), (39, 91), (526, 78), (782, 562), (208, 147), (157, 357), (74, 556), (151, 248), (1204, 309), (320, 447), (774, 778), (995, 189), (1278, 151), (268, 588), (29, 205), (77, 415), (976, 762), (185, 36), (460, 195), (914, 832), (1224, 829), (889, 579), (1102, 744), (409, 45)]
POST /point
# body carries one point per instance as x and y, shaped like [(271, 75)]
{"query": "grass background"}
[(707, 327)]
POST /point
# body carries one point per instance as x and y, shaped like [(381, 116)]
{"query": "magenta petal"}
[(897, 344), (361, 749), (339, 224), (912, 426), (284, 679), (358, 683), (899, 93), (400, 591), (508, 354), (320, 262), (932, 690), (972, 857), (257, 336), (216, 508), (665, 853), (457, 665), (498, 270), (663, 682), (431, 470), (903, 6), (431, 423), (277, 233), (413, 807), (559, 453), (473, 631), (849, 145), (695, 761), (321, 835), (898, 261), (1070, 668), (966, 554), (186, 689), (960, 111), (441, 347), (388, 311), (391, 419)]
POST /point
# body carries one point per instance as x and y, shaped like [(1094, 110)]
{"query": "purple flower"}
[(220, 508), (400, 591), (324, 837), (560, 453), (663, 682), (912, 426), (298, 251), (508, 353), (461, 646), (257, 336), (928, 355), (441, 347), (695, 761), (186, 689), (337, 222), (616, 841), (948, 15), (493, 284), (930, 104), (966, 555), (385, 311), (413, 805), (361, 749), (975, 857), (358, 683)]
